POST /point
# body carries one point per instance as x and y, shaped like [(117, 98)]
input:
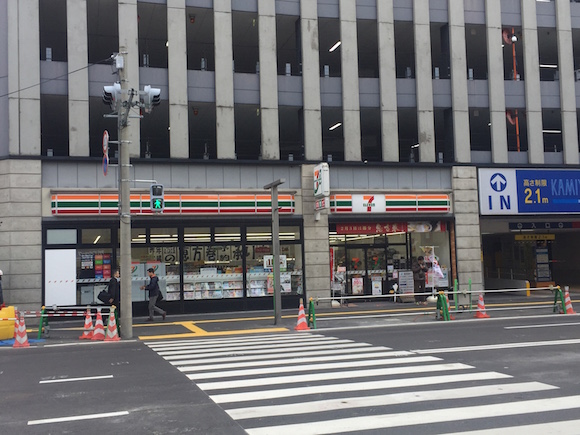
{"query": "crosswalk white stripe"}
[(384, 400), (359, 386), (350, 374), (220, 373), (227, 358), (255, 343), (237, 339), (361, 354), (335, 348), (415, 418), (556, 427), (245, 348), (497, 346)]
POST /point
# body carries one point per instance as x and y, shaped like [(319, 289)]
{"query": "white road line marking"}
[(497, 346), (370, 422), (185, 344), (221, 373), (231, 359), (297, 378), (557, 427), (88, 378), (89, 343), (244, 348), (384, 400), (335, 348), (361, 354), (359, 386), (237, 339), (78, 417), (547, 325)]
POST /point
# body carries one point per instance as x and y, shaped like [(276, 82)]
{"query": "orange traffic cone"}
[(301, 325), (20, 335), (451, 316), (568, 302), (481, 314), (88, 329), (112, 333), (99, 331)]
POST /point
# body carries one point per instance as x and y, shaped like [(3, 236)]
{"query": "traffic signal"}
[(151, 97), (112, 96), (157, 201)]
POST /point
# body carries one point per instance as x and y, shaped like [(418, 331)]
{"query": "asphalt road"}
[(148, 388)]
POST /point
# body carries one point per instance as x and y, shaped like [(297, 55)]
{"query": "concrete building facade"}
[(406, 100)]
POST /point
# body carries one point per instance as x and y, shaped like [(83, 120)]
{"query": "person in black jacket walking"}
[(154, 292), (114, 289)]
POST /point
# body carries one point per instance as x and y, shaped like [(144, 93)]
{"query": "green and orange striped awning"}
[(198, 204), (397, 203)]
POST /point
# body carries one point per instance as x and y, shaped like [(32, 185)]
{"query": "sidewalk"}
[(356, 313)]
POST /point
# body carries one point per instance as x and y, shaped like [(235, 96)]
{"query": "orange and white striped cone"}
[(88, 329), (301, 324), (451, 316), (112, 333), (99, 331), (481, 314), (568, 302), (20, 335)]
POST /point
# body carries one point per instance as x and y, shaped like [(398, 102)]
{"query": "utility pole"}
[(124, 138), (120, 98)]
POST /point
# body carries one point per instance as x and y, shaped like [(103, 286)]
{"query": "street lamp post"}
[(276, 248)]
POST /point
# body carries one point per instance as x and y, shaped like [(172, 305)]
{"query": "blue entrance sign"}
[(548, 191), (528, 191)]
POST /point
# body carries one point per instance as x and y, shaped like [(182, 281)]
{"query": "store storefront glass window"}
[(259, 234), (61, 237), (197, 235), (434, 247), (228, 234), (138, 235), (95, 236), (163, 235), (94, 271), (213, 271), (163, 259)]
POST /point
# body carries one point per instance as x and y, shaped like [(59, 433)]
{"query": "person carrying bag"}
[(154, 295)]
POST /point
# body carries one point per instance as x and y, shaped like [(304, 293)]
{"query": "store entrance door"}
[(366, 270)]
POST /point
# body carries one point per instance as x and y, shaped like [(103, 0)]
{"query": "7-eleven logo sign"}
[(371, 203)]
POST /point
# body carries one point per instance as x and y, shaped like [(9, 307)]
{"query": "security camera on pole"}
[(120, 98)]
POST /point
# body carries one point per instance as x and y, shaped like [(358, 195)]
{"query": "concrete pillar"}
[(24, 73), (532, 82), (311, 80), (566, 70), (129, 39), (21, 232), (350, 87), (388, 81), (467, 233), (224, 80), (78, 79), (423, 81), (177, 77), (316, 245), (268, 80), (459, 101), (495, 81)]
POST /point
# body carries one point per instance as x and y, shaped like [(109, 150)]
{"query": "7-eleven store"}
[(375, 237), (211, 251)]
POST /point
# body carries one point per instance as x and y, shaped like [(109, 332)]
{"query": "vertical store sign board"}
[(321, 187)]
